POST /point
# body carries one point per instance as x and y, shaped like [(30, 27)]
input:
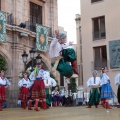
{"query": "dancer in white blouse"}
[(94, 84), (117, 82), (38, 88), (106, 89), (24, 85), (4, 83)]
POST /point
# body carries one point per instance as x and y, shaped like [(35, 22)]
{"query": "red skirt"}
[(38, 90), (2, 94), (23, 94)]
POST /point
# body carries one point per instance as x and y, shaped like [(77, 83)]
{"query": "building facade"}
[(100, 28), (21, 17)]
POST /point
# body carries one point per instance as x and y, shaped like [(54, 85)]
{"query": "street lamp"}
[(32, 52), (24, 58), (38, 58)]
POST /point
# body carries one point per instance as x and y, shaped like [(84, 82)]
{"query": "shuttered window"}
[(99, 28), (35, 16), (100, 57)]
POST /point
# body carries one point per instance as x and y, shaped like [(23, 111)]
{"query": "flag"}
[(2, 26), (41, 38)]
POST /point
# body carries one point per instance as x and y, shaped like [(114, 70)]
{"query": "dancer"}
[(24, 85), (106, 89), (117, 82), (94, 84), (61, 56), (49, 83), (38, 88), (4, 83)]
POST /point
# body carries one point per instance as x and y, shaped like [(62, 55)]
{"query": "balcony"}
[(32, 28), (98, 64), (99, 35)]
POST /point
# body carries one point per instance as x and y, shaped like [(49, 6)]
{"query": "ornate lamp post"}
[(24, 58), (32, 52), (38, 58)]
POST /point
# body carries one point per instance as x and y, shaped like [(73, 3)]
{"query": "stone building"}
[(18, 39), (100, 27)]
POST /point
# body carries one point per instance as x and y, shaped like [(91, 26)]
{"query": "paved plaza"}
[(61, 113)]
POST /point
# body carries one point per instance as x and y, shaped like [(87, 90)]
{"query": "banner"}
[(2, 26), (41, 38)]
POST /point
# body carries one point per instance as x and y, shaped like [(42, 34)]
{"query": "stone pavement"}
[(61, 113)]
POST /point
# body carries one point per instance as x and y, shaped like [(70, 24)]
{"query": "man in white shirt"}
[(94, 83), (49, 83), (58, 50), (117, 82)]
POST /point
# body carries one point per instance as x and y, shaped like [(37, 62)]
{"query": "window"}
[(92, 1), (99, 28), (100, 57), (35, 16)]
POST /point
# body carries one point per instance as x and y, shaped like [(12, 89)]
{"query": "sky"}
[(67, 10)]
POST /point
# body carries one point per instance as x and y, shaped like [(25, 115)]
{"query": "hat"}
[(94, 72), (62, 36)]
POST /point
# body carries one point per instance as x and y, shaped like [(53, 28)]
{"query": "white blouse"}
[(50, 82), (55, 48), (39, 75), (25, 83), (104, 79), (55, 93), (4, 81), (92, 82), (117, 79)]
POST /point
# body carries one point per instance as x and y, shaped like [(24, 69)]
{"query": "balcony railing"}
[(99, 35), (98, 64), (32, 28), (29, 26)]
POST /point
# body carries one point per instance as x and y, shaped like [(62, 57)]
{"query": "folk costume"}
[(94, 84), (56, 98), (106, 90), (60, 57), (3, 83), (117, 82), (24, 85), (38, 88), (49, 83)]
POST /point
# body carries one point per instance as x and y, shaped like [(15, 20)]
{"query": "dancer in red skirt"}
[(38, 88), (24, 85), (4, 83)]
